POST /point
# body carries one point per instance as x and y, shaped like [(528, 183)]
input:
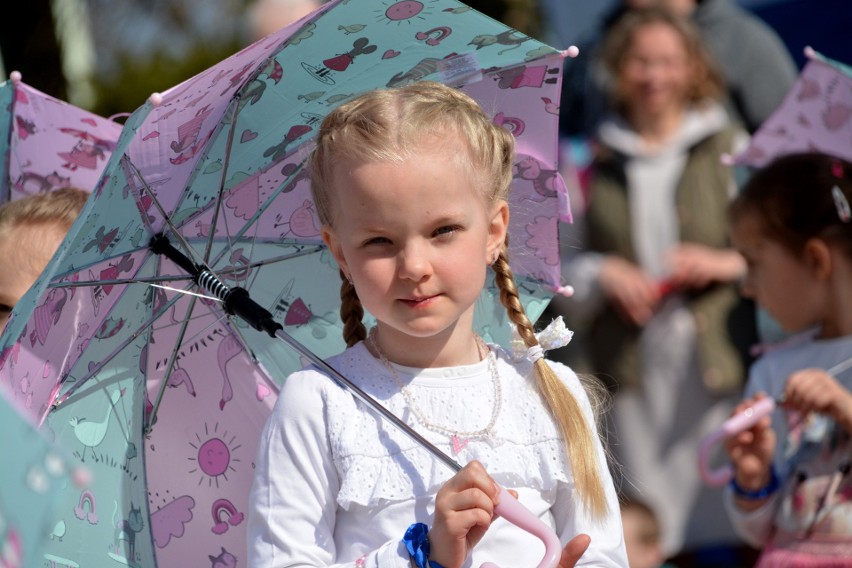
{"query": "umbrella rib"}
[(260, 211), (159, 207), (193, 318), (186, 292), (234, 111), (152, 417), (256, 274), (146, 280), (273, 260), (241, 338), (92, 372)]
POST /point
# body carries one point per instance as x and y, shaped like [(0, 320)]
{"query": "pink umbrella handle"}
[(733, 425), (512, 510)]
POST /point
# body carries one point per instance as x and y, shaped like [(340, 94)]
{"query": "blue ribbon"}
[(416, 541)]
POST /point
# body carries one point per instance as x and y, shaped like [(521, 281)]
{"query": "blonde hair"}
[(59, 208), (391, 125), (707, 83)]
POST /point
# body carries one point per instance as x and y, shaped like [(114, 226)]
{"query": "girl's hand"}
[(464, 509), (751, 452), (574, 550), (697, 266), (814, 390), (630, 289)]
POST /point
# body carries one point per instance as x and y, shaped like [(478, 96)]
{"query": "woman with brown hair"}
[(655, 281)]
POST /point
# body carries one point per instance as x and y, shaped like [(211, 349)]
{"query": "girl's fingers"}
[(473, 476), (460, 522), (472, 498), (574, 550)]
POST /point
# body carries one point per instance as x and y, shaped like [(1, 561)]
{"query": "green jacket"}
[(724, 321)]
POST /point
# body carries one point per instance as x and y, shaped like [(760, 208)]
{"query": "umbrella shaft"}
[(344, 382), (238, 302)]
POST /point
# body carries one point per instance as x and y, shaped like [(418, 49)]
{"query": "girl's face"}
[(778, 280), (655, 74), (416, 238)]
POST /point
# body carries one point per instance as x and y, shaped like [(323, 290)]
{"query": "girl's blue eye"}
[(447, 230), (377, 241)]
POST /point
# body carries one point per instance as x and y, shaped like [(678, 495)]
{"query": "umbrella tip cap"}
[(727, 159), (810, 53), (566, 291), (156, 99), (572, 51), (15, 76)]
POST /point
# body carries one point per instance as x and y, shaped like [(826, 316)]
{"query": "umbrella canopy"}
[(815, 116), (158, 390), (47, 144), (31, 480)]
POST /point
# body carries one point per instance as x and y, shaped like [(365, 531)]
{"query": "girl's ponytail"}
[(560, 402)]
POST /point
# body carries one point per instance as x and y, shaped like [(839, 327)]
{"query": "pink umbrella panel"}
[(49, 144), (815, 116)]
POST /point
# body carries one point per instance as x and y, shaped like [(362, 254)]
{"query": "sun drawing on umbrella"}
[(213, 455), (403, 11)]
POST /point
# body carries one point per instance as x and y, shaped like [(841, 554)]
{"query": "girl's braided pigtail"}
[(563, 407), (351, 313)]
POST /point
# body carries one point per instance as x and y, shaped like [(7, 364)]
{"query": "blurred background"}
[(108, 56)]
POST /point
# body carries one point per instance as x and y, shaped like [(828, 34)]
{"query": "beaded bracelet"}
[(759, 494), (416, 541)]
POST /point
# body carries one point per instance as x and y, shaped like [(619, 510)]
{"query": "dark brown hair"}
[(793, 200)]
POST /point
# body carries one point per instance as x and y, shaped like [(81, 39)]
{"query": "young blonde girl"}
[(31, 229), (411, 186), (792, 491)]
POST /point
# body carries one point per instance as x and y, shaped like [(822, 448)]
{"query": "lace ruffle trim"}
[(369, 480)]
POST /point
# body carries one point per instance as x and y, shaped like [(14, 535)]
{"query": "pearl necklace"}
[(458, 438)]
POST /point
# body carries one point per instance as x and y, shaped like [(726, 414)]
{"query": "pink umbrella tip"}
[(810, 53), (566, 291), (727, 159), (572, 51), (156, 99), (15, 76)]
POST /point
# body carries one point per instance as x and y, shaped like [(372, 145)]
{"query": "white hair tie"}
[(554, 336), (535, 353)]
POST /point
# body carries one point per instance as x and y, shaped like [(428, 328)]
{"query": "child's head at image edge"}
[(792, 223), (642, 535), (31, 229)]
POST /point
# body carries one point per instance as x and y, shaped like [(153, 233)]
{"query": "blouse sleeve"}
[(292, 504), (607, 535)]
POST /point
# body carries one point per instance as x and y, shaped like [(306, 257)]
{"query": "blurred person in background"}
[(642, 536), (268, 16), (655, 276), (31, 229), (756, 67)]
